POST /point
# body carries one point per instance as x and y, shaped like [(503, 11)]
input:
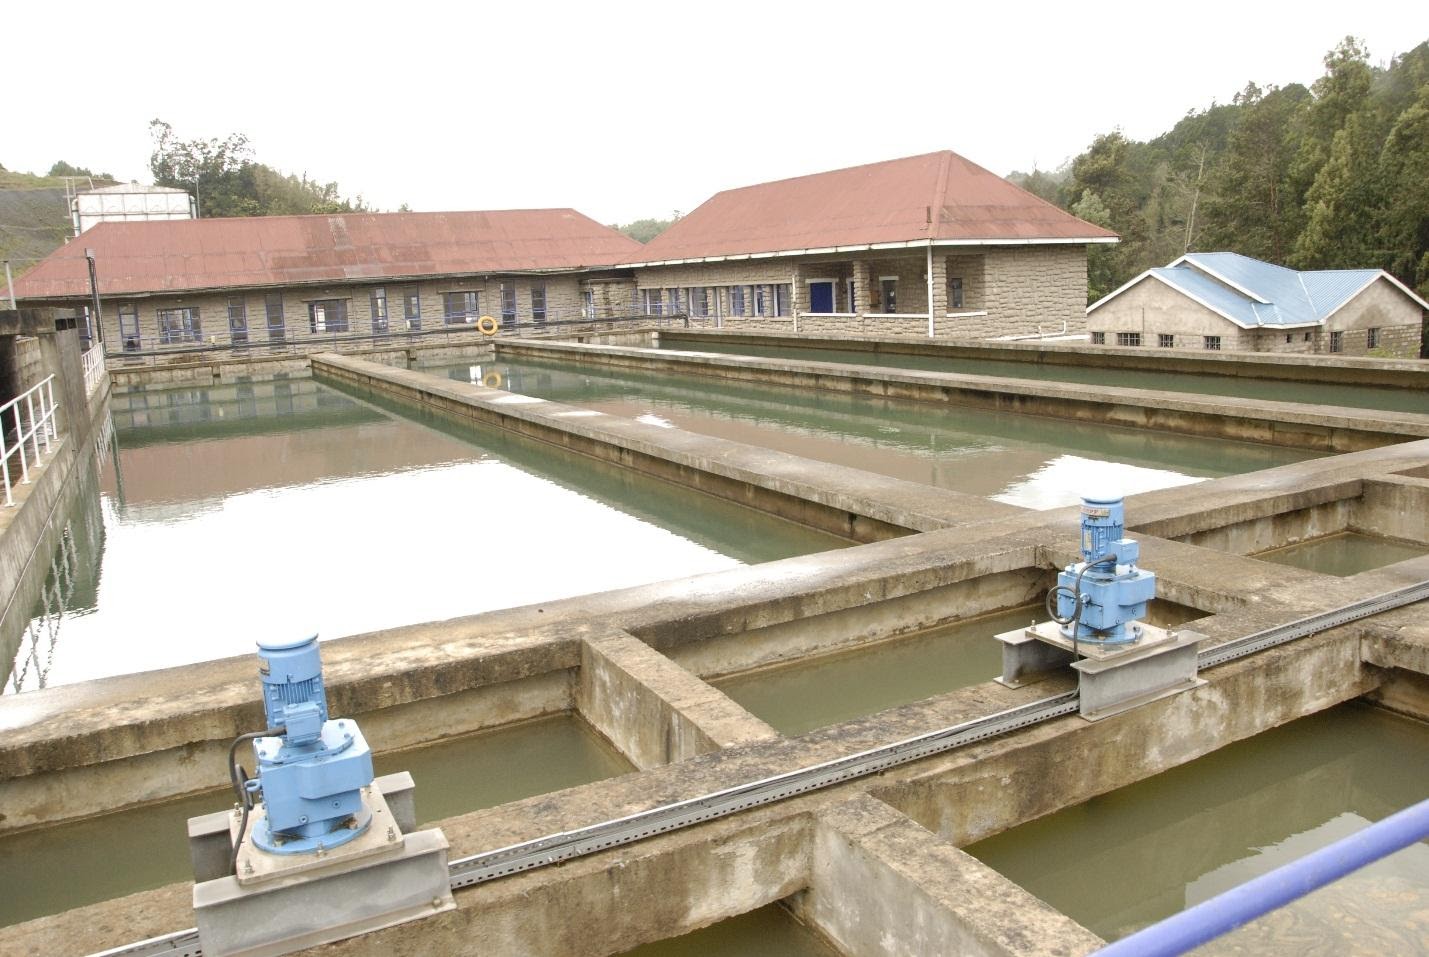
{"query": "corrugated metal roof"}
[(184, 255), (1269, 295), (938, 195), (1255, 294)]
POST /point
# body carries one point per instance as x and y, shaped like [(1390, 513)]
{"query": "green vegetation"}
[(228, 182), (644, 230), (1329, 177)]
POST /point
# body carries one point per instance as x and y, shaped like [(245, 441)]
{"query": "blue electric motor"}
[(1097, 598), (313, 775)]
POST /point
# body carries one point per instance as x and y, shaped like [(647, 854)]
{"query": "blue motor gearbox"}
[(312, 776)]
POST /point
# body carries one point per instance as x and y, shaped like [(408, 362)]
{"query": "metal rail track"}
[(566, 845)]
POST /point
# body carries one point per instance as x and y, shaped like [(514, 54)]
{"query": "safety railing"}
[(26, 420), (94, 370), (1259, 896)]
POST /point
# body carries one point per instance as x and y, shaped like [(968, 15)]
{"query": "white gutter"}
[(929, 273), (868, 247)]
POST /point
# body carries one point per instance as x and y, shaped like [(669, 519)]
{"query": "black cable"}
[(238, 776), (1076, 592)]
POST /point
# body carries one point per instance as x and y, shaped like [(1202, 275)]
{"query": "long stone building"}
[(275, 280), (869, 248), (929, 244)]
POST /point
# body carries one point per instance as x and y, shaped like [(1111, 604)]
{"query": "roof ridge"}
[(940, 195), (828, 172)]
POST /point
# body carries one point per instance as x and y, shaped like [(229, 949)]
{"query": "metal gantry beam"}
[(567, 845)]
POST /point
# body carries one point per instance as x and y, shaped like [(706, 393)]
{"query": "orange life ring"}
[(487, 325)]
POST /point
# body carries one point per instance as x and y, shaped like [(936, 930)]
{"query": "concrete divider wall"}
[(1311, 427), (1350, 370)]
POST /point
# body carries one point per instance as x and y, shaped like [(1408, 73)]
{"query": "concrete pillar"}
[(652, 709), (880, 884), (940, 293), (862, 286)]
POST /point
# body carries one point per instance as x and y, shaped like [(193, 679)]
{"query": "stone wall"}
[(564, 301)]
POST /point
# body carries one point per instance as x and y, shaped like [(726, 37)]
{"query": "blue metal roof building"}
[(1257, 296)]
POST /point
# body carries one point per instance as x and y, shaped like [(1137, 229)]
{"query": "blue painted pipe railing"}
[(1239, 905)]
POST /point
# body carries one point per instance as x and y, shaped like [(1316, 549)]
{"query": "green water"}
[(233, 512), (1353, 396), (1127, 859), (1034, 461), (767, 932), (55, 869), (1345, 554), (802, 696), (814, 693)]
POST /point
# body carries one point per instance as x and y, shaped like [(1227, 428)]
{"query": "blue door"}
[(821, 297)]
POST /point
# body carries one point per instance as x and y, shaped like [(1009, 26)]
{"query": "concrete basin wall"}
[(1320, 428)]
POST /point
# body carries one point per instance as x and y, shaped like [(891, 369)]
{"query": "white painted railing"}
[(31, 415), (94, 371)]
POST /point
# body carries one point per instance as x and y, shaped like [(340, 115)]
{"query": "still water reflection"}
[(231, 513), (130, 851), (1026, 460), (1353, 396), (1122, 861), (1345, 554)]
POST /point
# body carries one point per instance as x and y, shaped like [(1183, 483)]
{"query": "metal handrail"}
[(1259, 896), (256, 342), (94, 370), (28, 428)]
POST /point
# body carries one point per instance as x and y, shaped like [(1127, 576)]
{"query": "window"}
[(508, 304), (273, 312), (653, 301), (761, 300), (237, 320), (1213, 342), (736, 300), (327, 315), (1337, 342), (1099, 338), (379, 309), (672, 299), (1288, 338), (588, 304), (783, 294), (1128, 338), (460, 307), (412, 307), (179, 325), (1166, 340), (129, 327), (888, 289), (699, 301), (538, 302), (955, 293), (1372, 338), (1307, 337)]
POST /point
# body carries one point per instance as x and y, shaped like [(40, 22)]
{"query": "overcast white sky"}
[(626, 110)]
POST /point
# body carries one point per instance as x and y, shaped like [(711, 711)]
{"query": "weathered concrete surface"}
[(1396, 373), (854, 504), (1316, 427), (882, 885), (158, 735), (1395, 506), (654, 711)]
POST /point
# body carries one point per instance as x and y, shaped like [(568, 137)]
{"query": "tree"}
[(1253, 210), (1345, 206), (1404, 169), (215, 171), (228, 182), (1101, 260), (644, 230)]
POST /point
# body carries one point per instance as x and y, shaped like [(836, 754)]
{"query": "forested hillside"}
[(1329, 177)]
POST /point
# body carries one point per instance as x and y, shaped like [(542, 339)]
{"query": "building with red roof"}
[(276, 279), (868, 248), (930, 244)]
